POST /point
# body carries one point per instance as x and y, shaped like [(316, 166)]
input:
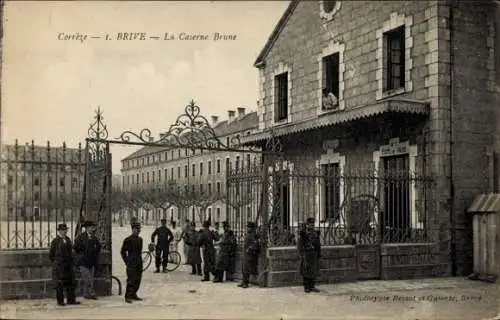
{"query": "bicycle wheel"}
[(146, 260), (174, 261), (116, 286)]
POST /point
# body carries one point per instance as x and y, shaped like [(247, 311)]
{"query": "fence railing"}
[(350, 206), (40, 187)]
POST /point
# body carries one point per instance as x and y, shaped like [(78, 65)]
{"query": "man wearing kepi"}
[(226, 256), (309, 247), (165, 236), (61, 257), (131, 255), (206, 242), (250, 254), (87, 247)]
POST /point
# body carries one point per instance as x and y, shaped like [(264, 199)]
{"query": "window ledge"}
[(280, 122), (322, 112), (392, 93)]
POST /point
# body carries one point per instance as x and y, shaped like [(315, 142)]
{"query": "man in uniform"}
[(185, 230), (206, 242), (174, 245), (309, 247), (61, 256), (250, 254), (131, 255), (226, 256), (165, 236), (88, 247)]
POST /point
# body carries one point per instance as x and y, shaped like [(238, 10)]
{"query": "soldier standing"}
[(250, 255), (165, 236), (88, 247), (174, 245), (309, 247), (226, 256), (61, 256), (131, 255), (206, 242), (184, 235), (194, 254)]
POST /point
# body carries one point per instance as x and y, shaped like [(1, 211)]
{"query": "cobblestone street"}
[(179, 295)]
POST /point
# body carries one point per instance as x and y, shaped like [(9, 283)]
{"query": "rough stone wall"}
[(27, 274), (475, 98)]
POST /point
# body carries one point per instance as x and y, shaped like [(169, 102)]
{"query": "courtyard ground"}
[(178, 295)]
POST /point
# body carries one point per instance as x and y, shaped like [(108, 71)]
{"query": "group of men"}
[(66, 257), (84, 255), (203, 243)]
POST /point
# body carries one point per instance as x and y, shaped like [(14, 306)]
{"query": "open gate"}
[(96, 198)]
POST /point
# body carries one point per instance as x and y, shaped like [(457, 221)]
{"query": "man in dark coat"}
[(131, 255), (185, 229), (87, 247), (226, 256), (61, 257), (165, 236), (193, 253), (309, 247), (206, 242), (250, 254)]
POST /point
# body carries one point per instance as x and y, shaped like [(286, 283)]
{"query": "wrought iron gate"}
[(96, 198)]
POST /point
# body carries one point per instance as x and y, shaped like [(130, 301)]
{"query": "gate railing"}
[(350, 205), (40, 187)]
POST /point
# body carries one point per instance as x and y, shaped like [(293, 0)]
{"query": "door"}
[(396, 219)]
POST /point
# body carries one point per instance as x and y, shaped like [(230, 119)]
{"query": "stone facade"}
[(449, 70)]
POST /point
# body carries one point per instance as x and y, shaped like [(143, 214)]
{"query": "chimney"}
[(241, 112), (230, 115), (215, 119)]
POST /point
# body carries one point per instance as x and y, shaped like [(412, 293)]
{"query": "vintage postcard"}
[(250, 159)]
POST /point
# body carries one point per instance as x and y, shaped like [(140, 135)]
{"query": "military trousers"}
[(134, 277)]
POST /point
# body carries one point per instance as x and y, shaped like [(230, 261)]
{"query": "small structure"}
[(485, 209)]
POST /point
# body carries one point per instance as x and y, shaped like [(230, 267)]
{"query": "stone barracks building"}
[(387, 115)]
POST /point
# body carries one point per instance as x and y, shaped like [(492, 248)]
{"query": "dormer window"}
[(328, 9)]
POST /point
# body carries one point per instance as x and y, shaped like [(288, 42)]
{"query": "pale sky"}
[(51, 87)]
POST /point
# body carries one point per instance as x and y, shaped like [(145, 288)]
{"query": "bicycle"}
[(174, 259)]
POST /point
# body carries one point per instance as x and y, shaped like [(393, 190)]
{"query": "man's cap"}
[(163, 220), (251, 224), (310, 220), (136, 225), (62, 226), (89, 223)]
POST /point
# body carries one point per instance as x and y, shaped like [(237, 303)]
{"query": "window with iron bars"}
[(281, 97), (395, 63), (331, 82), (331, 192)]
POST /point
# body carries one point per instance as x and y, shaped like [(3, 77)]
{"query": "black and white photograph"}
[(294, 159)]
